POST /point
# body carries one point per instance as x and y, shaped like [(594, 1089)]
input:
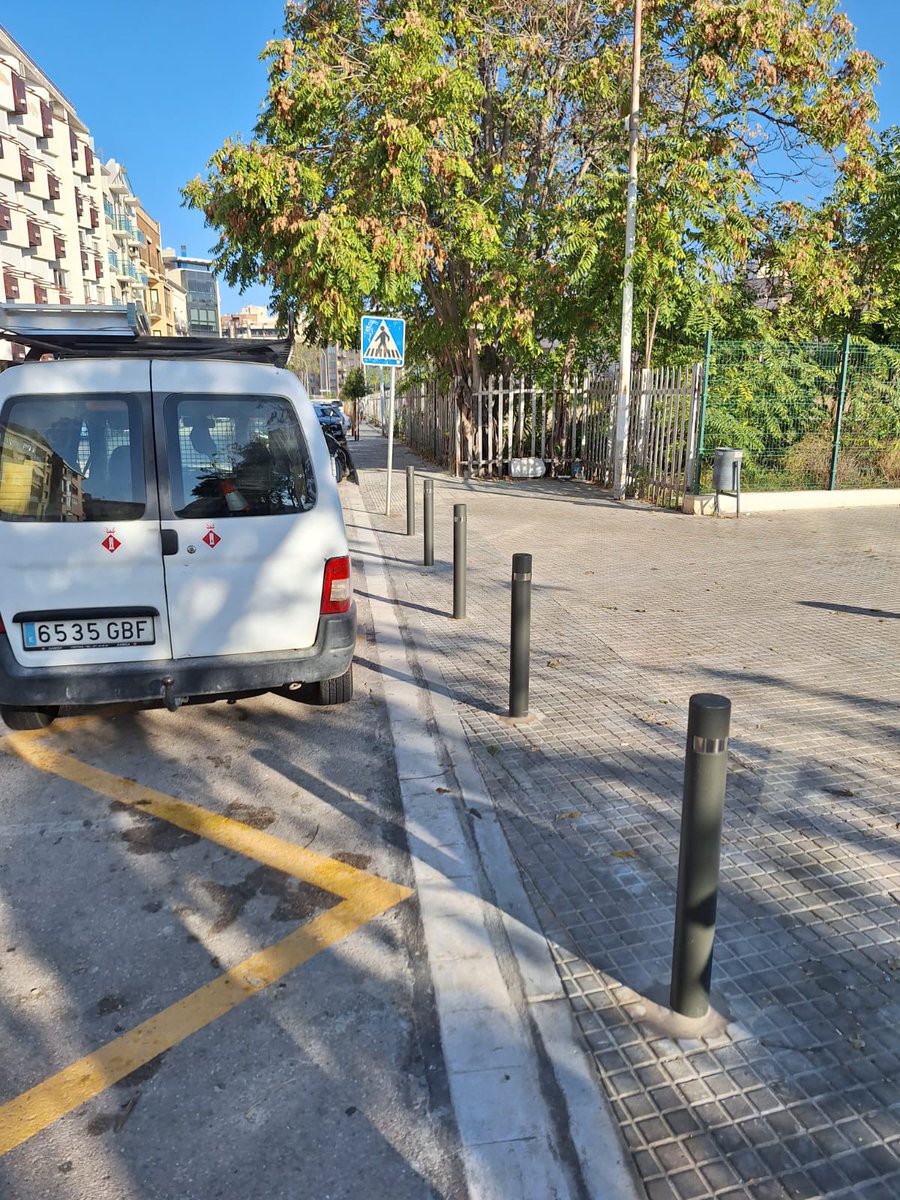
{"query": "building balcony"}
[(124, 228)]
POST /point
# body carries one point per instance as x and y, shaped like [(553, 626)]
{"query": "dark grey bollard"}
[(459, 561), (410, 501), (520, 635), (703, 804), (429, 523)]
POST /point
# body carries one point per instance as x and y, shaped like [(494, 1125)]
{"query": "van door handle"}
[(170, 541)]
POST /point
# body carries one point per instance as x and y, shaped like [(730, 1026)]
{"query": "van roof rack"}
[(117, 331)]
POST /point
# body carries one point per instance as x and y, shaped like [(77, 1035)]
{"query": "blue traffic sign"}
[(383, 341)]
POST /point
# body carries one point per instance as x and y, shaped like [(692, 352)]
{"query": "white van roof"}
[(95, 331)]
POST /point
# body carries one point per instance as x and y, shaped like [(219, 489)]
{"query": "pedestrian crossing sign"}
[(383, 341)]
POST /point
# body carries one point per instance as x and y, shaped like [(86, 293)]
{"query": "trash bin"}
[(727, 469)]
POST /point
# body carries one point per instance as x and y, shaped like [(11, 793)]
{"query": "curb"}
[(527, 1101)]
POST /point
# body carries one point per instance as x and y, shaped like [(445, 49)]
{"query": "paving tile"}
[(809, 903)]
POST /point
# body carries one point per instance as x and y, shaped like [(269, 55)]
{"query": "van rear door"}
[(242, 502), (82, 578)]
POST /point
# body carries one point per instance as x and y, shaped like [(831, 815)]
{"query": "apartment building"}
[(53, 246), (72, 230), (336, 362), (195, 276), (253, 321), (165, 299), (127, 277)]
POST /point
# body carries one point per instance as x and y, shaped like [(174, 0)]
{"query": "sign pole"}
[(390, 453)]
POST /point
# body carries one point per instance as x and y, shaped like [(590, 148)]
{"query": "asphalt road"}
[(312, 1070)]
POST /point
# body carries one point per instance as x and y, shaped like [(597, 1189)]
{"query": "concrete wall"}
[(759, 502)]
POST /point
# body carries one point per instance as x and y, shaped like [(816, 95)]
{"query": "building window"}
[(53, 186), (73, 145), (84, 260), (5, 217), (88, 161), (59, 246), (95, 217), (34, 233), (79, 203), (10, 285), (40, 294), (20, 99), (46, 119), (27, 167), (98, 268)]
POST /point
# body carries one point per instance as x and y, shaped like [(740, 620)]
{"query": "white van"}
[(170, 526)]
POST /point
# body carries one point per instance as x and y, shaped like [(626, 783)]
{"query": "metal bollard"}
[(410, 501), (520, 635), (429, 523), (459, 561), (703, 803)]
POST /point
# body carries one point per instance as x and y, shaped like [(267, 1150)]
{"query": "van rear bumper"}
[(110, 683)]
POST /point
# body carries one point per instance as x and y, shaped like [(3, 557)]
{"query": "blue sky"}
[(161, 85)]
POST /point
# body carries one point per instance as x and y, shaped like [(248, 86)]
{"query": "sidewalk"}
[(792, 1091)]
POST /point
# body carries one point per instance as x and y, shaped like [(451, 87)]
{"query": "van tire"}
[(335, 691), (27, 718)]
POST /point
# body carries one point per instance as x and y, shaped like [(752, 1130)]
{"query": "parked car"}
[(329, 417), (170, 525)]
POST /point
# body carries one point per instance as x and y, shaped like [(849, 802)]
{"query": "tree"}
[(461, 162), (355, 386), (869, 243), (306, 363)]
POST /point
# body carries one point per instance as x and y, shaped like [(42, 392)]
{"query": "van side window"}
[(237, 456), (71, 458)]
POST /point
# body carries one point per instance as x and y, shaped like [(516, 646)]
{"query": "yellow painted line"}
[(32, 1111), (339, 878), (363, 897)]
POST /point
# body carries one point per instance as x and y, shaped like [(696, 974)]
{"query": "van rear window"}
[(237, 456), (71, 458)]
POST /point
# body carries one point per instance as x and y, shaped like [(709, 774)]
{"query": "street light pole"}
[(620, 463)]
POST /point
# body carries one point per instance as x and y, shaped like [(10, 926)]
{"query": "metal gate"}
[(567, 425)]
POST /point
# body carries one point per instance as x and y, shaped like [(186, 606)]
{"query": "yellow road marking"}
[(363, 897), (339, 878)]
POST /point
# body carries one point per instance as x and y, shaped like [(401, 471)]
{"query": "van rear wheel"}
[(335, 691), (27, 718)]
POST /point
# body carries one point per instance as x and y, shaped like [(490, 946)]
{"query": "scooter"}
[(340, 452)]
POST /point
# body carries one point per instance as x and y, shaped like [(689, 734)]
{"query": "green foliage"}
[(461, 163), (355, 386), (778, 403)]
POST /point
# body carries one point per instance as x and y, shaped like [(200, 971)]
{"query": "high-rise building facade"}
[(127, 277), (202, 291), (165, 298), (336, 364), (53, 247), (72, 230)]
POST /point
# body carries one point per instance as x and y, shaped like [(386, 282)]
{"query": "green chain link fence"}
[(806, 414)]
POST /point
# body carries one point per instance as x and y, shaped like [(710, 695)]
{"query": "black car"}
[(329, 419)]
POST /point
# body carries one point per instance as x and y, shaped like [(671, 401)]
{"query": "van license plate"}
[(97, 633)]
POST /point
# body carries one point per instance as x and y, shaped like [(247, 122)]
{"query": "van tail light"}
[(336, 590), (2, 626)]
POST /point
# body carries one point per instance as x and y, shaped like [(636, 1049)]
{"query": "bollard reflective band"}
[(522, 576), (702, 745)]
